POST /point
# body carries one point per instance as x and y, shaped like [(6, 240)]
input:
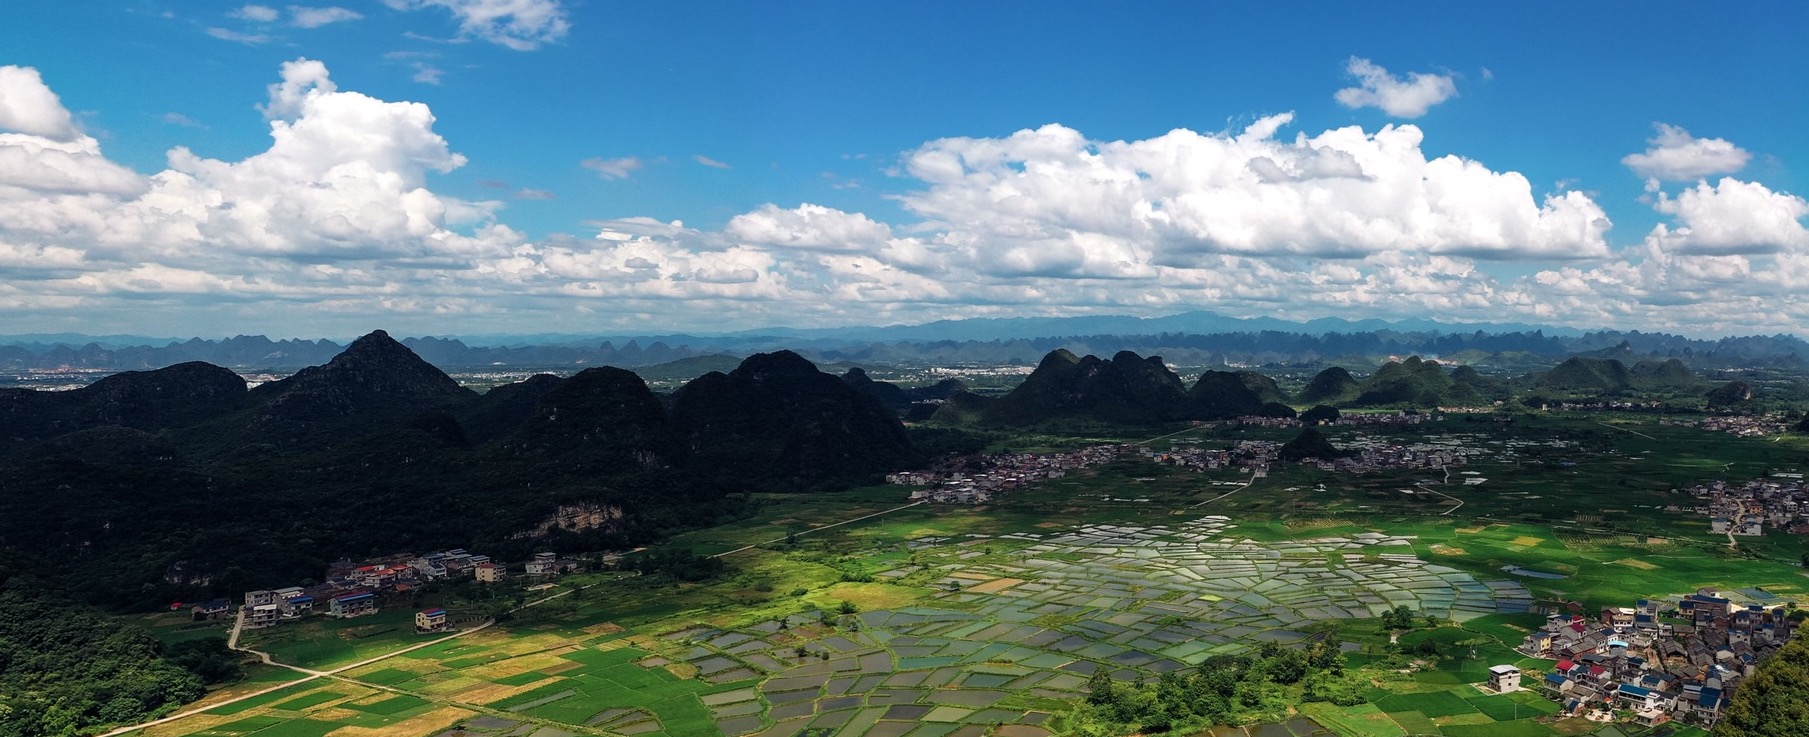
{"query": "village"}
[(1781, 501), (1661, 660), (1346, 419), (1745, 426), (975, 481), (1258, 456), (355, 589)]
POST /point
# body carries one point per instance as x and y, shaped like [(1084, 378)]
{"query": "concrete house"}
[(212, 610), (543, 564), (263, 615), (432, 620), (353, 604), (1504, 678)]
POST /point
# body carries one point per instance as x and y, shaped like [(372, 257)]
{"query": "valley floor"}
[(939, 621)]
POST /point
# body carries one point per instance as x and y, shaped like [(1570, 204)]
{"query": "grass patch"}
[(257, 701), (299, 728), (387, 707), (1522, 728), (1434, 704), (1363, 720), (301, 703), (1414, 723), (248, 724)]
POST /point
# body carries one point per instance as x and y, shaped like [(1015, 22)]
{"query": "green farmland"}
[(931, 621)]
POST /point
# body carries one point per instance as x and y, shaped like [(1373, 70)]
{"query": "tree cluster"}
[(66, 669), (1405, 618), (679, 564), (1224, 689), (1774, 702)]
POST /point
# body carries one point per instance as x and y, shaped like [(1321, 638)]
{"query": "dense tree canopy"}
[(66, 669), (1774, 702)]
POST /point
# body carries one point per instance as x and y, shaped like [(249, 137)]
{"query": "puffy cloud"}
[(1050, 200), (522, 25), (338, 214), (1402, 98), (45, 160), (809, 227), (1731, 217), (344, 178), (306, 17), (44, 165), (28, 106), (620, 168), (299, 78), (1675, 155)]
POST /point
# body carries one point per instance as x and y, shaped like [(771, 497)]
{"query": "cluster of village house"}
[(1602, 405), (1251, 455), (1661, 660), (1390, 457), (1363, 419), (1258, 455), (1746, 426), (1781, 501), (954, 482), (351, 589)]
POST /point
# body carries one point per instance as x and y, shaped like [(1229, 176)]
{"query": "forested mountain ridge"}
[(179, 482)]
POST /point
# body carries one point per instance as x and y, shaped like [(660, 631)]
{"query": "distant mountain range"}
[(1199, 339), (1131, 390)]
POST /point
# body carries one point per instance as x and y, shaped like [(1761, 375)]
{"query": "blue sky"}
[(465, 166)]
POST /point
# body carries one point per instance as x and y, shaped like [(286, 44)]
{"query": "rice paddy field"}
[(934, 621)]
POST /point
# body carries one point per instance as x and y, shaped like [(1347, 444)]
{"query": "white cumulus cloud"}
[(28, 106), (1675, 155), (1050, 200), (810, 227), (1731, 217), (339, 214), (1403, 98)]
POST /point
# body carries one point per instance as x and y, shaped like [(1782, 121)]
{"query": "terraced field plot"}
[(1010, 642), (998, 640)]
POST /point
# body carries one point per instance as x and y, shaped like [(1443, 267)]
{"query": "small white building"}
[(1504, 678), (543, 564)]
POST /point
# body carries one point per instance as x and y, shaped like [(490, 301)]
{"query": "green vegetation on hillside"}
[(1774, 702), (180, 484), (66, 669)]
